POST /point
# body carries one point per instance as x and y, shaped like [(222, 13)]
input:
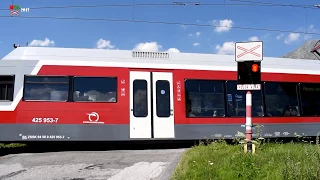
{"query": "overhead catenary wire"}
[(255, 3), (160, 22), (249, 3), (276, 4)]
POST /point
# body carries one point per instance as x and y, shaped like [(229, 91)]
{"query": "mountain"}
[(303, 52)]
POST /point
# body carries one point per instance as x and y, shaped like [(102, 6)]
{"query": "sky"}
[(206, 38)]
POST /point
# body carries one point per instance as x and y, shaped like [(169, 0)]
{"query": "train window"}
[(163, 98), (236, 101), (310, 99), (140, 98), (204, 98), (6, 88), (95, 89), (46, 88), (281, 99)]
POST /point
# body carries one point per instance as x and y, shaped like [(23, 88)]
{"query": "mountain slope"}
[(303, 52)]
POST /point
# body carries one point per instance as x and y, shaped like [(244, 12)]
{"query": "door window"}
[(163, 98), (140, 98)]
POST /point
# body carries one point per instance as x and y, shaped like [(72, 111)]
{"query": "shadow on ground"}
[(41, 147)]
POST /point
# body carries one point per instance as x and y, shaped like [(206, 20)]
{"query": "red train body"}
[(61, 94)]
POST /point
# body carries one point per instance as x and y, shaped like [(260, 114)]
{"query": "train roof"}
[(78, 56)]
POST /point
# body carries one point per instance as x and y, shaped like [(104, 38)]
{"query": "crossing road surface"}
[(106, 165)]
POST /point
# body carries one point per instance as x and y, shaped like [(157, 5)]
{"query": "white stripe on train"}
[(12, 106)]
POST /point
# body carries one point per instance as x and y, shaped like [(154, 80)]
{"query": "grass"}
[(272, 161), (12, 145)]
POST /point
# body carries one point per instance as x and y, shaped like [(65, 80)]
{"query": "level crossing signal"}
[(248, 57)]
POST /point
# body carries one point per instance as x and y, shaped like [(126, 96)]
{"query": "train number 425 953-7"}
[(45, 120)]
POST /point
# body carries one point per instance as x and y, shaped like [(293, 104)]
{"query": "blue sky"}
[(159, 37)]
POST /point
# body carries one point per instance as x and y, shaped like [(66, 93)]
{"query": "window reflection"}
[(46, 88), (236, 101), (163, 98), (281, 99), (6, 88), (310, 96), (95, 89), (140, 98), (204, 98)]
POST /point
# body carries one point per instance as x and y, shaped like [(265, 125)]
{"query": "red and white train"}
[(65, 94)]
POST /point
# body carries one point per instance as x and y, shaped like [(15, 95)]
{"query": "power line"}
[(160, 22), (123, 5), (276, 4), (250, 3)]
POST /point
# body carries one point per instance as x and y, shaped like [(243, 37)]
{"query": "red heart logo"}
[(11, 7)]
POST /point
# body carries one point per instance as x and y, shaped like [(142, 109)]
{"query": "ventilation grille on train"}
[(150, 55)]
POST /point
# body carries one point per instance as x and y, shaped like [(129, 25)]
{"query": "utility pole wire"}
[(159, 22)]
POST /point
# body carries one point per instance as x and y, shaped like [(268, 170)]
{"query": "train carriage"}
[(67, 94)]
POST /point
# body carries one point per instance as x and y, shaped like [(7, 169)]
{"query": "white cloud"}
[(253, 38), (153, 47), (291, 38), (279, 36), (196, 44), (198, 33), (42, 43), (222, 25), (104, 44), (190, 35), (148, 46), (173, 50), (226, 48)]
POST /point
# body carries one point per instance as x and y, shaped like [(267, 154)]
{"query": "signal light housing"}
[(249, 72)]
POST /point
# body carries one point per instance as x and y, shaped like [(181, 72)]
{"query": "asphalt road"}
[(91, 165)]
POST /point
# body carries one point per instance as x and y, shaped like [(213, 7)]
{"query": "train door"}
[(151, 105)]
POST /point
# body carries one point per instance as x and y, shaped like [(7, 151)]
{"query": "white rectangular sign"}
[(249, 87), (249, 51)]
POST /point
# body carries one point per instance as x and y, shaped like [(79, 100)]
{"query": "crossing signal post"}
[(248, 57)]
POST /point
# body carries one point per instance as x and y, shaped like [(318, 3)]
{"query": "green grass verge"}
[(12, 145), (272, 161)]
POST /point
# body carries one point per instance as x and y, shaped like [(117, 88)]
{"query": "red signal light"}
[(255, 68)]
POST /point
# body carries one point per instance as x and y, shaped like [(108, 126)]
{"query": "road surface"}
[(91, 165)]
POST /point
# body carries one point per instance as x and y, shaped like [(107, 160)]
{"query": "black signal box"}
[(249, 72)]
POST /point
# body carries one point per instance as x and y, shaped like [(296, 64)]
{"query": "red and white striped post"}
[(249, 120)]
